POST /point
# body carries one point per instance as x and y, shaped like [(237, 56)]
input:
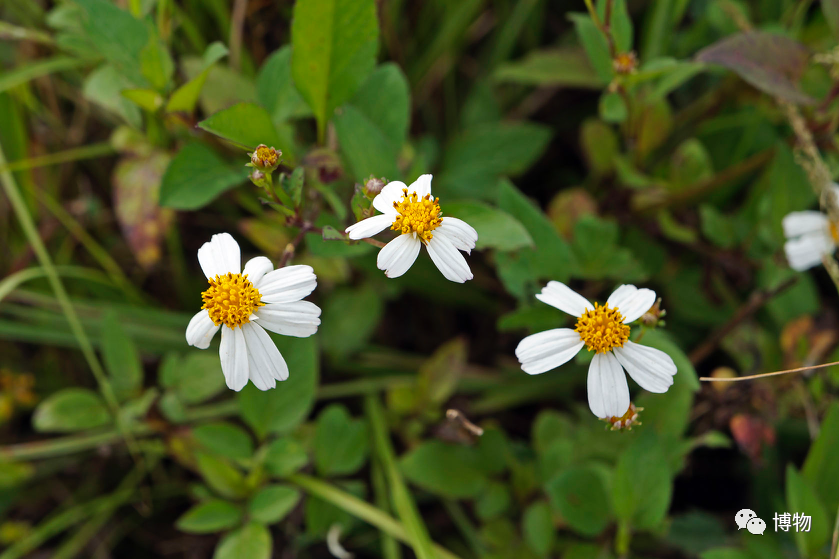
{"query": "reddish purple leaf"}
[(771, 63)]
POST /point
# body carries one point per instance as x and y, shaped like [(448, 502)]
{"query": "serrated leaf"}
[(275, 88), (117, 35), (245, 124), (341, 442), (196, 176), (496, 229)]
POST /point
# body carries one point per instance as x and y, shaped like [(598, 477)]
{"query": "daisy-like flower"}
[(245, 303), (604, 330), (810, 236), (416, 215)]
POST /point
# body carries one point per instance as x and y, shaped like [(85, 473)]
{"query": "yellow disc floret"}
[(417, 215), (834, 232), (231, 300), (602, 329)]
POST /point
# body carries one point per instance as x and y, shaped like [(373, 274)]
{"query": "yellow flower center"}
[(834, 232), (231, 300), (602, 329), (417, 215)]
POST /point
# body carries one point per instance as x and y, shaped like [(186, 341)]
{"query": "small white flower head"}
[(246, 303), (416, 215), (604, 330), (810, 236)]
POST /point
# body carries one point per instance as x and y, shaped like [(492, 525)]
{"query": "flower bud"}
[(373, 185), (627, 420), (258, 178), (625, 63), (265, 158)]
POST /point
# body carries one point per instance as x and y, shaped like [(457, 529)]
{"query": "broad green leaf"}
[(104, 86), (213, 515), (641, 484), (444, 469), (620, 24), (372, 127), (252, 541), (496, 229), (493, 502), (14, 474), (286, 406), (70, 409), (772, 63), (341, 442), (600, 145), (185, 97), (595, 45), (147, 99), (118, 36), (195, 378), (803, 500), (156, 63), (285, 456), (538, 528), (822, 461), (196, 176), (245, 124), (122, 360), (578, 493), (273, 503), (221, 475), (224, 439), (559, 67), (275, 88), (334, 44), (598, 253), (350, 317), (613, 108)]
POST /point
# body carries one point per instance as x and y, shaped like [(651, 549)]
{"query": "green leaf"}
[(104, 86), (195, 177), (122, 361), (156, 63), (224, 439), (641, 485), (334, 44), (350, 317), (273, 503), (275, 88), (286, 406), (830, 8), (71, 409), (14, 474), (194, 379), (559, 67), (147, 99), (620, 24), (444, 469), (725, 553), (285, 456), (822, 461), (613, 108), (341, 442), (221, 475), (245, 124), (493, 502), (118, 36), (496, 229), (252, 541), (802, 499), (185, 97), (372, 127), (210, 516), (538, 528), (598, 253), (595, 44), (578, 493), (439, 374)]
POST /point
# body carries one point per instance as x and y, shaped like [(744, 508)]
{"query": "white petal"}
[(299, 319), (801, 223), (651, 368), (200, 330), (806, 251), (548, 350), (559, 295), (288, 284), (370, 226), (448, 259), (631, 301), (462, 235), (608, 393), (421, 186), (256, 268), (398, 255), (220, 255), (234, 358), (266, 363), (392, 192)]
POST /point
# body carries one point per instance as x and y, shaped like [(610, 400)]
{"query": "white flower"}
[(411, 210), (810, 236), (605, 330), (246, 303)]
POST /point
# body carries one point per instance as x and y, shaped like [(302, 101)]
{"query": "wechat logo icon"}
[(748, 519)]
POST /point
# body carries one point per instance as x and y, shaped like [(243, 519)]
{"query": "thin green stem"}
[(10, 283), (390, 547), (75, 154), (834, 546), (622, 540), (465, 527), (360, 509), (9, 32), (403, 501), (71, 444), (29, 229)]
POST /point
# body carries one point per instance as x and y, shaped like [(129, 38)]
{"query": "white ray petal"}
[(608, 393), (651, 368), (288, 284), (462, 235), (220, 255), (806, 251), (234, 358), (266, 363), (256, 268), (559, 295), (548, 350), (801, 223), (398, 255), (448, 259), (631, 301), (370, 226), (392, 192), (200, 330), (421, 186), (299, 319)]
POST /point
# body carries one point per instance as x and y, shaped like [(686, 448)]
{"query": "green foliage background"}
[(124, 128)]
